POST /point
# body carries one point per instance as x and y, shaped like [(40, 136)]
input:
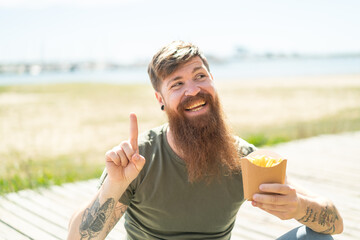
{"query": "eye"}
[(177, 84), (200, 76)]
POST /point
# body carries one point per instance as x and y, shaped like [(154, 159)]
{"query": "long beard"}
[(205, 142)]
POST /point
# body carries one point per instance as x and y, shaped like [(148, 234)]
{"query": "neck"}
[(171, 141)]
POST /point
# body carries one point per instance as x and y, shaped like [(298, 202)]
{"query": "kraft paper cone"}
[(254, 175)]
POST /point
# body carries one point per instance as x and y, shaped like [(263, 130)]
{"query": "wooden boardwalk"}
[(328, 164)]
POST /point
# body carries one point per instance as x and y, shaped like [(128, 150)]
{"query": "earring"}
[(162, 107)]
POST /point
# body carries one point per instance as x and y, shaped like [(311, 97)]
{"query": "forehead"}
[(187, 67)]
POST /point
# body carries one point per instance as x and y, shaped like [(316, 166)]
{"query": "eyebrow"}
[(179, 77), (197, 68)]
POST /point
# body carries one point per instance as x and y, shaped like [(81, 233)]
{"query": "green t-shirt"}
[(162, 204)]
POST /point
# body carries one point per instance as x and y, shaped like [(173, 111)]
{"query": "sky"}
[(126, 31)]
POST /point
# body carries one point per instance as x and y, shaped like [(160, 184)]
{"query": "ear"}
[(159, 98)]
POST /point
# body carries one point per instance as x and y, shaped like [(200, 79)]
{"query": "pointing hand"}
[(123, 162)]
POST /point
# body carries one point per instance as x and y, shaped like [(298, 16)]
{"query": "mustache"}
[(189, 99)]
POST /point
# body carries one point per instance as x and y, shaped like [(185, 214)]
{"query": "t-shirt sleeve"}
[(244, 147), (127, 195)]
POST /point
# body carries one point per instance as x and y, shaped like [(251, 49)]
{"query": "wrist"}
[(113, 189), (301, 207)]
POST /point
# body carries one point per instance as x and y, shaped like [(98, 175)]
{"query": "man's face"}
[(196, 121), (178, 91)]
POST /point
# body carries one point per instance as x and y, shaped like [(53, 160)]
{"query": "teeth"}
[(196, 109), (195, 105)]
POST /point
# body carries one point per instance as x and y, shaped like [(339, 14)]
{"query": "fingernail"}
[(255, 197), (136, 157)]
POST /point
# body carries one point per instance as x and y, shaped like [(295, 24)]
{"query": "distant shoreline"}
[(241, 71)]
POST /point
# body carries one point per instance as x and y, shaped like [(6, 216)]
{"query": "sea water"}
[(240, 70)]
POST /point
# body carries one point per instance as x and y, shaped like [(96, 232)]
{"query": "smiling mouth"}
[(196, 106)]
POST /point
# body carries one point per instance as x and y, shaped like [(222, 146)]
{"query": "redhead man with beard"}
[(183, 180)]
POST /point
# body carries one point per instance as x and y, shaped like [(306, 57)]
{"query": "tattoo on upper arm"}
[(95, 217), (326, 218)]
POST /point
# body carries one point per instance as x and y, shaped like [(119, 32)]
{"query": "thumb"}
[(138, 160)]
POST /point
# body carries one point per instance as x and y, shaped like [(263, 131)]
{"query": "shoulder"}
[(244, 148), (148, 142), (151, 144), (151, 137)]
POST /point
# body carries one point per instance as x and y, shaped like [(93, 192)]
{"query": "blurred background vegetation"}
[(51, 134)]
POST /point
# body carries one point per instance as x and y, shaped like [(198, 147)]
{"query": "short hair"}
[(169, 58)]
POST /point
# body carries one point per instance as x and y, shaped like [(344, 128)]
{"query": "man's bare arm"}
[(102, 222), (118, 212), (123, 165), (318, 213), (290, 201), (96, 219)]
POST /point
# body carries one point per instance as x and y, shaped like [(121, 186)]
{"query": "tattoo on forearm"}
[(112, 223), (121, 209), (326, 218), (307, 215), (117, 213), (314, 218), (95, 217), (330, 230)]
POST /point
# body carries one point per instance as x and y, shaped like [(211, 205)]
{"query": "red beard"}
[(205, 142)]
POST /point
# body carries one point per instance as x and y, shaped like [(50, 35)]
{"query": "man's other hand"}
[(277, 199)]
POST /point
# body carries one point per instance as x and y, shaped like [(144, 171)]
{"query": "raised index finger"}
[(133, 132)]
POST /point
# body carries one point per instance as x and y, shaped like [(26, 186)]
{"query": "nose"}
[(192, 89)]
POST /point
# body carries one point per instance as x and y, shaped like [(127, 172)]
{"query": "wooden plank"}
[(248, 234), (254, 219), (17, 221), (71, 196), (65, 202), (117, 233), (9, 233), (79, 190), (39, 210), (34, 219), (46, 202), (91, 186), (346, 184)]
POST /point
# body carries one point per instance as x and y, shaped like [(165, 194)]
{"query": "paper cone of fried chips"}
[(254, 175)]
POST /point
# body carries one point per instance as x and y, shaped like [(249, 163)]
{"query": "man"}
[(183, 180)]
